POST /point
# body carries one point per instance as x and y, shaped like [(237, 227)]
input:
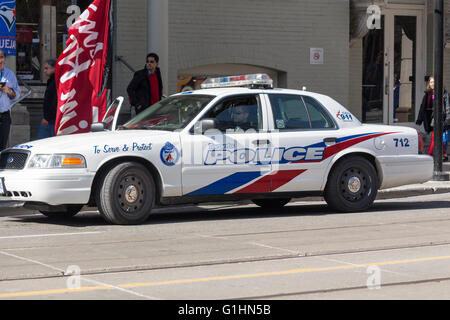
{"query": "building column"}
[(158, 36), (48, 32)]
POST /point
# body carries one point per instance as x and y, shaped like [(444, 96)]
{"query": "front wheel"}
[(126, 194), (352, 185)]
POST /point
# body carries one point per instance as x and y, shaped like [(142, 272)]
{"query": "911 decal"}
[(344, 116), (401, 143)]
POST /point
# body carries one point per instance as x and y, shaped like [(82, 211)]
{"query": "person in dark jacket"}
[(146, 88), (47, 128), (426, 108), (427, 118)]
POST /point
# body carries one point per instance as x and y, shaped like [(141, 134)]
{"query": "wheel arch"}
[(113, 162), (365, 154)]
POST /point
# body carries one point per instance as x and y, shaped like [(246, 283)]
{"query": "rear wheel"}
[(69, 211), (352, 185), (126, 194), (271, 203)]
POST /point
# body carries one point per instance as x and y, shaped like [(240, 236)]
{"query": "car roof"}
[(242, 90), (332, 106)]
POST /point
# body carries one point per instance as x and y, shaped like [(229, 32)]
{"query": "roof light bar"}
[(259, 80)]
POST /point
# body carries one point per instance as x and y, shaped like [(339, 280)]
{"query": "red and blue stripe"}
[(262, 182)]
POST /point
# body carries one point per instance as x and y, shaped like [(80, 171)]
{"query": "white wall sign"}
[(316, 55)]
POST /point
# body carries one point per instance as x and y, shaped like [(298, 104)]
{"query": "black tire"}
[(352, 185), (271, 203), (70, 211), (126, 194)]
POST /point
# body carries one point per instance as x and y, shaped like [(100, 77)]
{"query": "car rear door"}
[(301, 130)]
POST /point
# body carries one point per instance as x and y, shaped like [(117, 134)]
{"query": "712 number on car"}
[(402, 142)]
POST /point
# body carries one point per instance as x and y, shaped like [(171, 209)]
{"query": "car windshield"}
[(169, 114)]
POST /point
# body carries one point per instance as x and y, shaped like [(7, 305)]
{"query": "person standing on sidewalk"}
[(446, 127), (427, 118), (47, 128), (9, 90), (145, 89), (426, 108)]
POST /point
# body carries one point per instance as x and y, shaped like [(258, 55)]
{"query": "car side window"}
[(289, 112), (237, 113), (320, 119)]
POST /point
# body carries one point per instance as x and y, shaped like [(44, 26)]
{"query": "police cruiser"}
[(236, 138)]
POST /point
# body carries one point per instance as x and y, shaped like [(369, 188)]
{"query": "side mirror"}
[(204, 125), (98, 126)]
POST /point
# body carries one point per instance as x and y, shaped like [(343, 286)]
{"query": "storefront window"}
[(66, 13), (27, 39), (33, 47)]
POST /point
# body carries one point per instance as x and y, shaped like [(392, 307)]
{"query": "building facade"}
[(372, 56)]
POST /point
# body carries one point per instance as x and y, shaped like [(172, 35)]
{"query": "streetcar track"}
[(142, 268), (125, 287), (347, 289), (224, 236), (333, 228)]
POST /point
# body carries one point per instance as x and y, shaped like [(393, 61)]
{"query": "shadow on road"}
[(91, 217)]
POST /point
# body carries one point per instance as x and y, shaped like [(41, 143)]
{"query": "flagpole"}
[(438, 175), (107, 76)]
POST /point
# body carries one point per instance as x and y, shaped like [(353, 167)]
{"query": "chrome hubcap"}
[(354, 184), (131, 194)]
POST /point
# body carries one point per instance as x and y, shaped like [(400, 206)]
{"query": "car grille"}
[(13, 159)]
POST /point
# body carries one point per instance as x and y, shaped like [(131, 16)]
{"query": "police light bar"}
[(259, 80)]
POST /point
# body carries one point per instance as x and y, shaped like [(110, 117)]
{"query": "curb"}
[(431, 187)]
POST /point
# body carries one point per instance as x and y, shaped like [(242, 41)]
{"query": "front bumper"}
[(50, 186)]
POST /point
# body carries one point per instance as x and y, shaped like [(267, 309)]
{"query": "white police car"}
[(216, 144)]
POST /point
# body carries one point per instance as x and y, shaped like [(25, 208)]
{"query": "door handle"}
[(330, 141), (261, 142)]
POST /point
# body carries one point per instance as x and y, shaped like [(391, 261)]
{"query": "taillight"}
[(420, 139)]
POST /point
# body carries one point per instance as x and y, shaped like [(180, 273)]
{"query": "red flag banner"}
[(80, 70)]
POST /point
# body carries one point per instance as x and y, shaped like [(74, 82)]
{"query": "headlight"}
[(52, 161)]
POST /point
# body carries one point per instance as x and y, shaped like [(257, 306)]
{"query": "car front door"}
[(230, 157)]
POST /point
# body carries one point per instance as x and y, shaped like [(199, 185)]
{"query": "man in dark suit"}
[(145, 89)]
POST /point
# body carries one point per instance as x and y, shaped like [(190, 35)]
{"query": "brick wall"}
[(276, 34), (355, 78), (130, 43)]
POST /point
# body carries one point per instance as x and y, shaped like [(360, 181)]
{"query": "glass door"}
[(373, 75), (393, 61), (401, 65)]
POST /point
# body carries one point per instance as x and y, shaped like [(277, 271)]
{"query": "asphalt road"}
[(400, 249)]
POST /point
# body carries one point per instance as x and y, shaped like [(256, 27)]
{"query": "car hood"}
[(77, 142)]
